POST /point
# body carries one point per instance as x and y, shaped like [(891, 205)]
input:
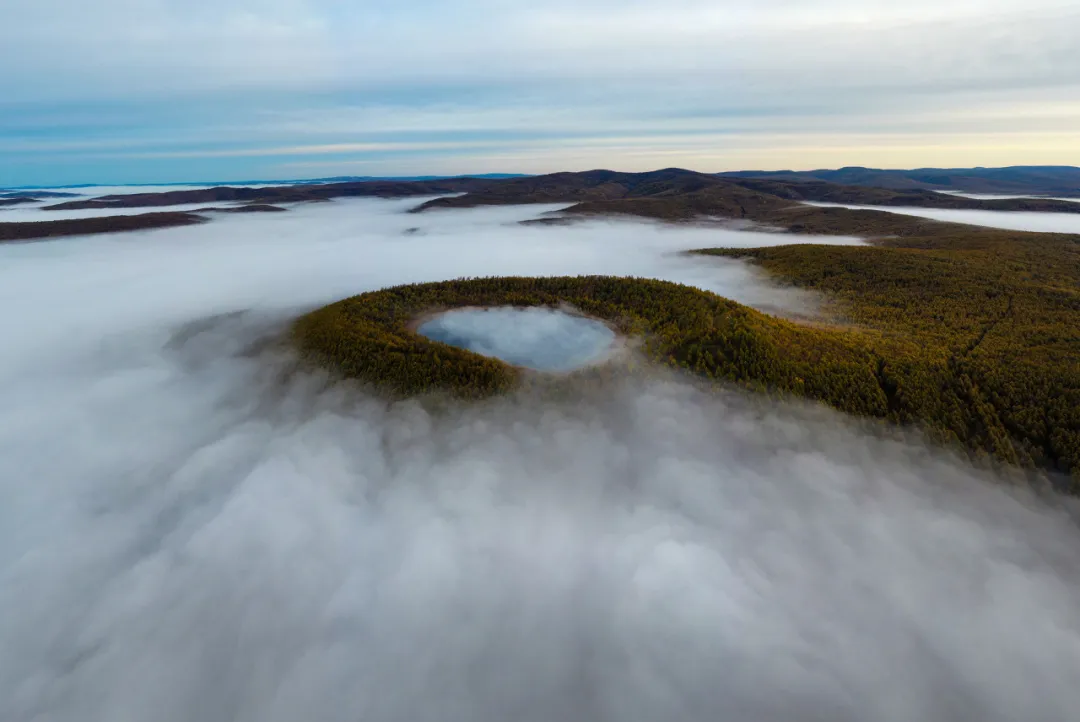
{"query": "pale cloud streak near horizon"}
[(162, 90)]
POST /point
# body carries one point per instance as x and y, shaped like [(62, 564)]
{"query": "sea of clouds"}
[(187, 533)]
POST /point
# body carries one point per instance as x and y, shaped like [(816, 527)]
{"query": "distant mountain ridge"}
[(1013, 180), (1026, 180), (668, 194)]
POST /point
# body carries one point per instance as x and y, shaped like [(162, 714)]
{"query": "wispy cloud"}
[(198, 81), (332, 149)]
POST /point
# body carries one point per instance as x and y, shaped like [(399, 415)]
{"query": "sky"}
[(141, 91)]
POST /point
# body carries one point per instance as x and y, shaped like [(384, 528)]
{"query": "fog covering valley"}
[(30, 213), (1013, 220), (39, 211), (189, 533), (993, 196)]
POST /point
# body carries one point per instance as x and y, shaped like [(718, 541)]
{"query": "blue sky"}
[(116, 91)]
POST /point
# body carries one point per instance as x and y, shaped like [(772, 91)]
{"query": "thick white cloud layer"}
[(993, 196), (184, 535), (1013, 220)]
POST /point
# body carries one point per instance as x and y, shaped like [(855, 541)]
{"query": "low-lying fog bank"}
[(1012, 220), (185, 536), (999, 196), (31, 213)]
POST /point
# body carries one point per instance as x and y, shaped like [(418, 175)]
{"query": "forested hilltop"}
[(681, 195), (981, 338), (962, 369)]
